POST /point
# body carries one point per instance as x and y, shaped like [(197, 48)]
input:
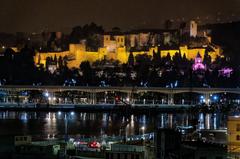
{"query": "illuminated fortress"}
[(118, 46)]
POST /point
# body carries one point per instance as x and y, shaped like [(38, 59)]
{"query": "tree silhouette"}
[(207, 59), (130, 59), (85, 67)]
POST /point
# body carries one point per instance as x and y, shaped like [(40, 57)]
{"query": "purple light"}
[(226, 72), (198, 65)]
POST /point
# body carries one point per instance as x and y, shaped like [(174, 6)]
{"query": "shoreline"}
[(99, 108)]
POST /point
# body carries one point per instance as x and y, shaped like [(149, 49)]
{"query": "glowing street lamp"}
[(143, 129), (215, 97), (46, 94), (202, 99)]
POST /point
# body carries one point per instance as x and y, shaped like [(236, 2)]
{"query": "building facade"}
[(233, 125)]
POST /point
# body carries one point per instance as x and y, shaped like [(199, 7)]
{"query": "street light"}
[(215, 97), (183, 101), (46, 94), (143, 129), (202, 99)]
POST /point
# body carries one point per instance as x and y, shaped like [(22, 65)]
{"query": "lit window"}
[(238, 137), (238, 127)]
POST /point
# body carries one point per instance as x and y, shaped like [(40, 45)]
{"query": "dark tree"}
[(168, 24), (207, 59), (131, 59), (87, 71)]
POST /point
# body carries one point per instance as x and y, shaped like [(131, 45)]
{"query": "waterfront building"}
[(201, 150), (130, 151), (233, 125), (167, 143), (24, 147)]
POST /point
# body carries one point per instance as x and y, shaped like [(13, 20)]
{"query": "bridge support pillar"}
[(170, 120), (130, 99), (93, 97), (52, 98), (170, 99), (207, 98), (6, 100)]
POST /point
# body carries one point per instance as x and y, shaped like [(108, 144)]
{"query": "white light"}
[(59, 113), (54, 98), (72, 113), (49, 98), (127, 99), (143, 128), (215, 97), (46, 94)]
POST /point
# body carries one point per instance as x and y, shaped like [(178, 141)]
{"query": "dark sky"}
[(61, 15)]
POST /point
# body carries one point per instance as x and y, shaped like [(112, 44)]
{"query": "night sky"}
[(62, 15)]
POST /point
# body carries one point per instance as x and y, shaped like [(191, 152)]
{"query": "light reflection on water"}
[(95, 124)]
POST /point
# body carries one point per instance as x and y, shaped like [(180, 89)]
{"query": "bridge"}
[(129, 91), (200, 90)]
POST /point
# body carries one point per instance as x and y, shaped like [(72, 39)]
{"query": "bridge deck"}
[(121, 89)]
